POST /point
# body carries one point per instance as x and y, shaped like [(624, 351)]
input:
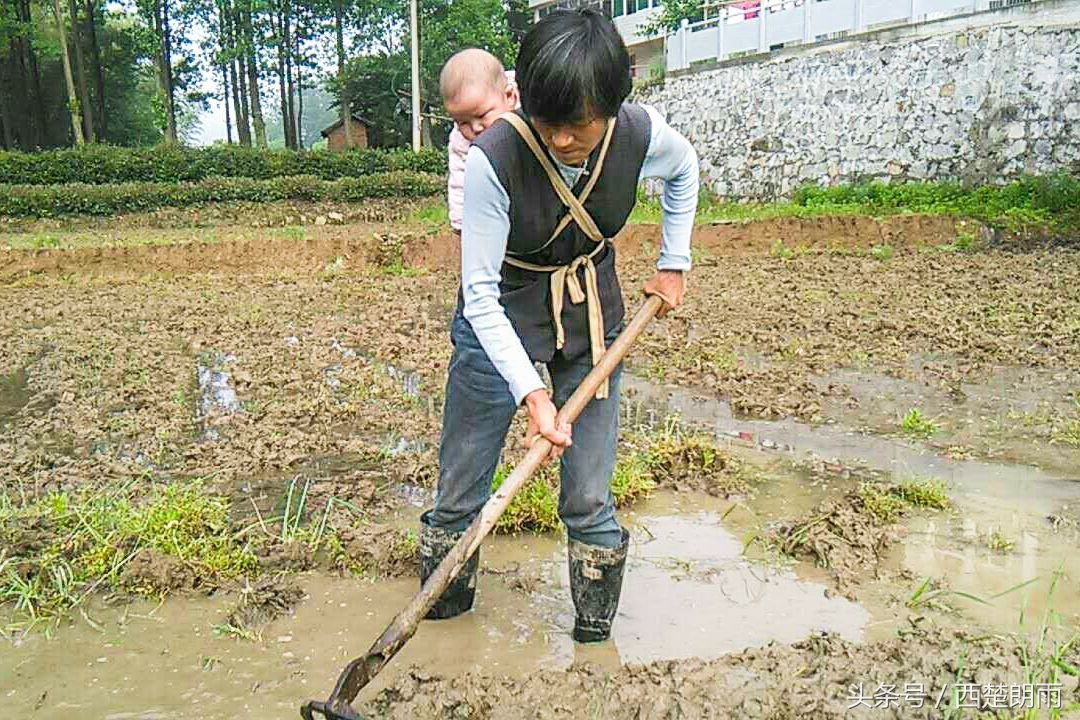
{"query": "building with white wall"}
[(629, 16)]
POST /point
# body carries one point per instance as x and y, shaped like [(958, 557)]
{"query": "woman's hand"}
[(542, 423), (669, 285)]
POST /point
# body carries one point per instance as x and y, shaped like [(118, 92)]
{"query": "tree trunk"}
[(239, 98), (167, 55), (242, 74), (289, 89), (425, 133), (101, 121), (7, 123), (164, 63), (223, 66), (80, 73), (343, 92), (239, 91), (257, 121), (225, 102), (39, 130), (13, 86), (73, 100), (276, 26), (299, 94)]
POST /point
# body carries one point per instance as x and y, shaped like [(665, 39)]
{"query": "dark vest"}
[(535, 212)]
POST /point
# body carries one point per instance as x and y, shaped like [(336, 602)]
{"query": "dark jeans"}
[(477, 415)]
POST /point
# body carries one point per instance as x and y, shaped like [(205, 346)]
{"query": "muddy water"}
[(1006, 416), (688, 593), (1007, 500), (955, 548), (1008, 487)]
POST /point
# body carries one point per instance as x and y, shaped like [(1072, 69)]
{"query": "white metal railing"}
[(746, 27)]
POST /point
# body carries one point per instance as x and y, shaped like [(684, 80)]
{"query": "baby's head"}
[(476, 91)]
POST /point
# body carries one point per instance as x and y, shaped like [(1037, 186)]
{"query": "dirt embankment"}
[(240, 249)]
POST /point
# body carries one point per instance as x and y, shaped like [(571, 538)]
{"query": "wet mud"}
[(263, 602), (848, 535), (812, 678), (151, 571)]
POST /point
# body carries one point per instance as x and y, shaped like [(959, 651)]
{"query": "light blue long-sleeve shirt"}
[(486, 226)]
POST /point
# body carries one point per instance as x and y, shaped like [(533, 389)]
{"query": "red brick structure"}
[(335, 134)]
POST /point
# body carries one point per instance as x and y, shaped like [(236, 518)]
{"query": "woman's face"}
[(572, 143)]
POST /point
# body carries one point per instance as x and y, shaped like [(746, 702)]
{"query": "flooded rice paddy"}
[(304, 393)]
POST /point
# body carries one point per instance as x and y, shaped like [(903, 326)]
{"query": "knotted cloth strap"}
[(564, 277)]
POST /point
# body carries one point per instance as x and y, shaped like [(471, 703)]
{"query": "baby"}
[(476, 91)]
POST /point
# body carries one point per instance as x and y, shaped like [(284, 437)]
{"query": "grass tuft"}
[(917, 425), (535, 507), (924, 493), (881, 252), (1068, 433), (998, 542), (883, 502), (62, 547), (666, 458)]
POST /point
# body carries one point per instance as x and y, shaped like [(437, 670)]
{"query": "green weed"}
[(398, 269), (291, 232), (917, 425), (43, 241), (883, 502), (1051, 653), (924, 493), (781, 251), (632, 479), (999, 543), (881, 252), (654, 370), (334, 268), (933, 593), (648, 461), (1067, 433), (888, 502), (1030, 203), (535, 507), (226, 629), (431, 214), (930, 594)]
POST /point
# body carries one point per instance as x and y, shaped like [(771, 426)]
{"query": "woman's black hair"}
[(572, 66)]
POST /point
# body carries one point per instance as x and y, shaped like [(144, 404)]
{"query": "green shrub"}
[(104, 164), (87, 199)]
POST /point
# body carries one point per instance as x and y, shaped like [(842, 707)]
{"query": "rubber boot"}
[(596, 575), (435, 544)]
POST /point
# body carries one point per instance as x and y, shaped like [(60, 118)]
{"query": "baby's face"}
[(476, 107)]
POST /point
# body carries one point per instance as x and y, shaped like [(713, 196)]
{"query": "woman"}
[(538, 284)]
